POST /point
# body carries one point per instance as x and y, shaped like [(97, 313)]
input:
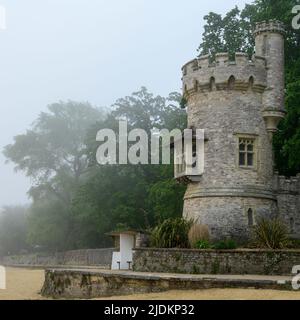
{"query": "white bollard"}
[(2, 278)]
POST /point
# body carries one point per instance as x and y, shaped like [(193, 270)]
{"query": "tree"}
[(53, 154), (75, 200), (132, 195), (13, 230)]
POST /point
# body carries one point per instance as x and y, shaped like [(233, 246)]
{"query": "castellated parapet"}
[(239, 104), (202, 75)]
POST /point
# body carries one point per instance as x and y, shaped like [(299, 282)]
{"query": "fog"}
[(96, 51)]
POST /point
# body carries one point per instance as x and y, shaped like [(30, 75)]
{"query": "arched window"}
[(250, 217), (231, 83), (251, 83), (212, 84)]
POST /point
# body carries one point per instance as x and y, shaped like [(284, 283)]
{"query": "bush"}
[(225, 245), (172, 233), (271, 234), (294, 244), (202, 244), (198, 233)]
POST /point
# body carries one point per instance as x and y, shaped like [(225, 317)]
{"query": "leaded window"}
[(246, 152)]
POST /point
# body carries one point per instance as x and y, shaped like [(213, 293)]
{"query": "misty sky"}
[(89, 50)]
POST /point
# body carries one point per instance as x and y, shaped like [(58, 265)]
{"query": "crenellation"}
[(271, 26), (242, 58), (221, 69), (291, 184), (222, 59), (204, 61)]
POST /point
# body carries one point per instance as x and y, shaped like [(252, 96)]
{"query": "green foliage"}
[(271, 234), (13, 230), (294, 244), (171, 233), (202, 244), (225, 245), (229, 34), (75, 200)]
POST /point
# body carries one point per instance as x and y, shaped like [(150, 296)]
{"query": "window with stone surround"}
[(246, 152)]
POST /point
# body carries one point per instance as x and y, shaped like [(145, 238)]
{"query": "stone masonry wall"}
[(91, 257), (288, 198), (255, 262)]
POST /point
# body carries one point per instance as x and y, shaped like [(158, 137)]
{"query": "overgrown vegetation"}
[(271, 234), (198, 233), (172, 233), (202, 245), (227, 244)]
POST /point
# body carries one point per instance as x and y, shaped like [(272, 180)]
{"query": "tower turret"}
[(269, 43), (239, 104)]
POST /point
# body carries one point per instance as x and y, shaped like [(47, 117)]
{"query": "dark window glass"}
[(250, 159), (242, 159), (250, 218)]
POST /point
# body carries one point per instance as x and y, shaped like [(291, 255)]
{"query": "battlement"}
[(270, 26), (245, 73), (288, 185)]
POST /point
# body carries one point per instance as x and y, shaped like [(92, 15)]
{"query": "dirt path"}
[(22, 284), (25, 284)]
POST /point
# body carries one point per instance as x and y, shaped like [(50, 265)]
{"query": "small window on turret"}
[(250, 217), (231, 83), (246, 153)]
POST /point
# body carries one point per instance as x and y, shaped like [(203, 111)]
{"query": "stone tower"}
[(239, 105)]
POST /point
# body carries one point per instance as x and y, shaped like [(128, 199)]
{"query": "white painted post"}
[(2, 278)]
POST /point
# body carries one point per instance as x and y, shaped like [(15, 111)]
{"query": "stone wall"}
[(255, 262), (88, 284), (91, 257), (289, 202)]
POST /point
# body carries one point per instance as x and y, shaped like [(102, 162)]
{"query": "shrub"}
[(198, 232), (202, 244), (225, 245), (294, 244), (172, 233), (271, 234)]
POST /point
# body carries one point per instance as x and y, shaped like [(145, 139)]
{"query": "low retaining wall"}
[(87, 284), (91, 257), (256, 262)]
